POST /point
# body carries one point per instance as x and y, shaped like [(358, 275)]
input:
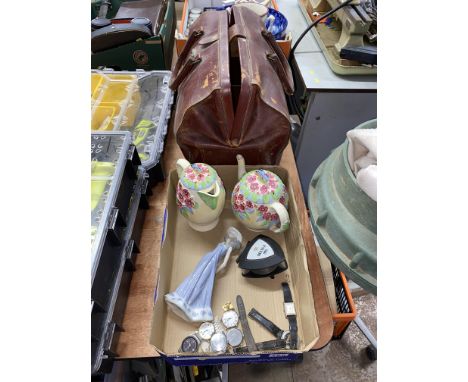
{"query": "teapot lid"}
[(198, 176), (261, 186)]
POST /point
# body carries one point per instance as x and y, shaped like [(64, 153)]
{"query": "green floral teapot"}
[(260, 200), (200, 194)]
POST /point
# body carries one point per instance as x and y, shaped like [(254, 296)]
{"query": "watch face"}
[(205, 347), (189, 344), (218, 342), (234, 337), (206, 330), (230, 319)]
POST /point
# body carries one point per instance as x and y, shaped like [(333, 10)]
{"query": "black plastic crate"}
[(119, 187), (106, 324)]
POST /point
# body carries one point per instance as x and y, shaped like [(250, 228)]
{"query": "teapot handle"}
[(283, 216), (181, 165)]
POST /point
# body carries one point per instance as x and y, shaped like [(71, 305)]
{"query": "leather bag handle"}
[(279, 63), (193, 61), (180, 70)]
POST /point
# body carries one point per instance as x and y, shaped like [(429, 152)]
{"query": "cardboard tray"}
[(183, 247)]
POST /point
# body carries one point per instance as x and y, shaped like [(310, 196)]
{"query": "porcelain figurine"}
[(192, 298), (200, 194), (260, 200)]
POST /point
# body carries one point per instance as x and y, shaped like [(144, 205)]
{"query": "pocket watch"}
[(230, 318)]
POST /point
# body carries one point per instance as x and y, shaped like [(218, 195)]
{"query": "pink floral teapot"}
[(200, 194), (260, 200)]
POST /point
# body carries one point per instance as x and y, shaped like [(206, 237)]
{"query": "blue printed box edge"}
[(257, 358)]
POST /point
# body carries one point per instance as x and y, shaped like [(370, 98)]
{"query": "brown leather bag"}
[(231, 78)]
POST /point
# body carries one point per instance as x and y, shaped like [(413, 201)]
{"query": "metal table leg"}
[(372, 348), (225, 372)]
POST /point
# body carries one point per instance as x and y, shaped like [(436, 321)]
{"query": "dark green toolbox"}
[(147, 47)]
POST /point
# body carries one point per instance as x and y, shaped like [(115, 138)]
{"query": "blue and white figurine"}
[(192, 299)]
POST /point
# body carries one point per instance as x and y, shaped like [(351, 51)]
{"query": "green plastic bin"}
[(344, 217)]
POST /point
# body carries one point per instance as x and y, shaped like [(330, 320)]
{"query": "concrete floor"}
[(341, 361)]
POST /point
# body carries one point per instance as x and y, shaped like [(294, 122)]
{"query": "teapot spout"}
[(240, 166)]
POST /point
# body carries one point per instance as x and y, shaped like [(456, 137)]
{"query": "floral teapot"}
[(260, 200), (200, 194)]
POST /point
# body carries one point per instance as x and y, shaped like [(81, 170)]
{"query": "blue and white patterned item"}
[(192, 298), (276, 23)]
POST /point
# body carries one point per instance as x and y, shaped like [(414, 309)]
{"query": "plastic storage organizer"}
[(118, 200), (108, 160), (138, 102)]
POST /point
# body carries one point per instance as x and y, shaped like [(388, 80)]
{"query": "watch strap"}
[(266, 323), (290, 315), (249, 340), (266, 345)]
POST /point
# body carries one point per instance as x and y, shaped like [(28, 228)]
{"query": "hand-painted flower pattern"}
[(185, 202), (249, 198), (263, 181), (263, 208), (197, 172)]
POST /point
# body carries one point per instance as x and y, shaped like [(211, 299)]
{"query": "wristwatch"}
[(230, 318), (190, 344), (268, 325), (218, 341), (234, 337), (290, 313), (206, 330), (204, 347), (266, 345), (249, 340)]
